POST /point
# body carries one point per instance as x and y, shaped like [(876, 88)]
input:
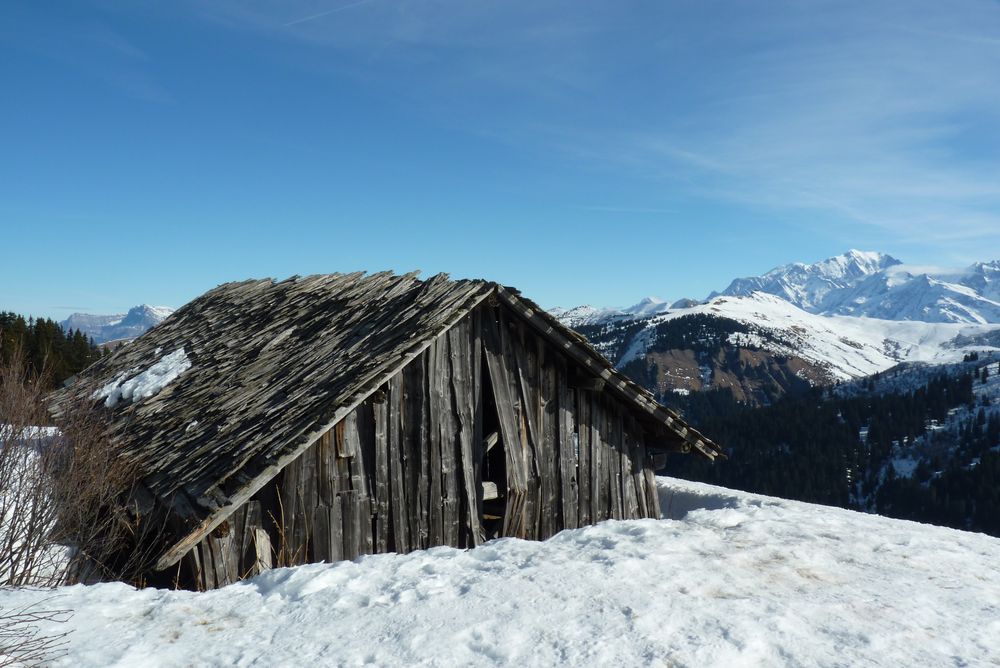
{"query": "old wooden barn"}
[(325, 417)]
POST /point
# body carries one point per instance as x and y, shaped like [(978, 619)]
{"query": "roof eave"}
[(580, 350)]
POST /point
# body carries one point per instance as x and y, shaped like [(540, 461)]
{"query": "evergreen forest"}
[(820, 447), (49, 352)]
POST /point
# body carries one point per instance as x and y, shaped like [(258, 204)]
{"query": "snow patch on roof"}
[(147, 383)]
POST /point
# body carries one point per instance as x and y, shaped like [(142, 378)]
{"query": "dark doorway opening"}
[(494, 471)]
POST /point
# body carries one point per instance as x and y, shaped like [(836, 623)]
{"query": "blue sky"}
[(584, 152)]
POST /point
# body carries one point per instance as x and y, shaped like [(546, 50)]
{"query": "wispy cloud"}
[(335, 10), (885, 116)]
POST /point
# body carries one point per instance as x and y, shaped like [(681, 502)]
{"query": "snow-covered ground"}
[(729, 579)]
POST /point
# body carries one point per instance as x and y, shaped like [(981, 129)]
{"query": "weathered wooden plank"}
[(526, 410), (630, 502), (463, 393), (325, 468), (548, 448), (366, 433), (347, 445), (308, 498), (437, 414), (352, 524), (490, 441), (355, 464), (262, 551), (475, 512), (322, 535), (599, 451), (615, 460), (514, 517), (584, 455), (206, 565), (441, 382), (652, 498), (217, 557), (229, 552), (336, 521), (568, 447), (252, 521), (522, 358), (380, 415), (342, 479), (632, 484), (420, 458), (450, 508), (638, 463), (366, 540), (233, 553), (414, 440), (398, 507), (292, 519)]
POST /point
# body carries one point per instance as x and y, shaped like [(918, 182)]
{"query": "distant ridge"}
[(116, 327)]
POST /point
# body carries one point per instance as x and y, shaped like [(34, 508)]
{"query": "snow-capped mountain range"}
[(880, 286), (845, 317), (117, 327), (857, 283)]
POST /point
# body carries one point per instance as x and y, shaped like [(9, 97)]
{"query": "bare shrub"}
[(22, 642), (67, 495), (27, 509), (93, 489)]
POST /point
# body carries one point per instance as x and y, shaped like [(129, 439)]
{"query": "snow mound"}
[(729, 579), (147, 383)]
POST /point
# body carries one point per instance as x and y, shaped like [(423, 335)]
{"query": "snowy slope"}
[(734, 579), (104, 328), (879, 286), (587, 315), (809, 286), (847, 347)]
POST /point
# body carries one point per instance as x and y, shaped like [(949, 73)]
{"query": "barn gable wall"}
[(404, 470)]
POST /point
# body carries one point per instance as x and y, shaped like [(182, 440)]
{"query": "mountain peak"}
[(119, 326), (647, 306), (877, 285)]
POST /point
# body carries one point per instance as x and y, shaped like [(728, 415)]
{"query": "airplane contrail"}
[(327, 13)]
